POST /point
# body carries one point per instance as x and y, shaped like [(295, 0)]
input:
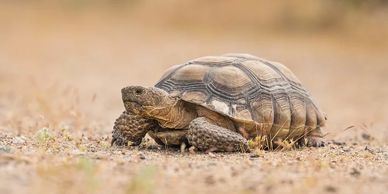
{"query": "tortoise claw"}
[(315, 142)]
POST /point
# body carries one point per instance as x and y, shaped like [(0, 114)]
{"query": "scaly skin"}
[(201, 134), (131, 128), (147, 109), (208, 137)]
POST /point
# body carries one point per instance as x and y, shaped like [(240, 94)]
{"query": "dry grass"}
[(62, 67)]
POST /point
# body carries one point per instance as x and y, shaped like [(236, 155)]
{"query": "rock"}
[(366, 137), (5, 149), (346, 149), (335, 142), (192, 150), (141, 156), (210, 180), (369, 150), (19, 140), (331, 189), (355, 172), (211, 154), (254, 156)]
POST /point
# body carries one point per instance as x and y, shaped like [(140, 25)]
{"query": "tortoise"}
[(218, 103)]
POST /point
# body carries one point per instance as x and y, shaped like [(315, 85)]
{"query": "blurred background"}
[(63, 62)]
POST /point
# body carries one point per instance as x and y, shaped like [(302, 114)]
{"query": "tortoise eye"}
[(138, 91)]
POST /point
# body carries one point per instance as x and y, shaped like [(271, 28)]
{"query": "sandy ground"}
[(60, 93)]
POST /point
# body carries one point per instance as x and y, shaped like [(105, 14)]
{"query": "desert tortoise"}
[(218, 103)]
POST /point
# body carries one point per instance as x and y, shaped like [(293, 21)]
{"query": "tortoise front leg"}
[(209, 137), (131, 128)]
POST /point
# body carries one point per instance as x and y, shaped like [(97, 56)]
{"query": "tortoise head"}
[(143, 100)]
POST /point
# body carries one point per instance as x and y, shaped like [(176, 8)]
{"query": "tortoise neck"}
[(176, 116)]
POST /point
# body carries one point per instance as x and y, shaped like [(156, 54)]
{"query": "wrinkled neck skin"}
[(174, 115)]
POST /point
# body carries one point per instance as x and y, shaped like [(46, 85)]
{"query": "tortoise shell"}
[(261, 96)]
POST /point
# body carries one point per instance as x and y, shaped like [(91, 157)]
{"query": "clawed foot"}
[(130, 129), (315, 142), (311, 142), (119, 140), (209, 137)]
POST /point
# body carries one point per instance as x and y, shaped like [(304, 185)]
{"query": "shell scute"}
[(248, 89)]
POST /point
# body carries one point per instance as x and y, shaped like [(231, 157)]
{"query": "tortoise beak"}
[(132, 96), (132, 93)]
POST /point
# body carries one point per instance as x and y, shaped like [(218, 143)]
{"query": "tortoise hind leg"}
[(209, 137), (313, 139), (315, 142)]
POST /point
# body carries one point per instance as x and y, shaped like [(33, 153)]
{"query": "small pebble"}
[(234, 172), (141, 156), (346, 149), (19, 140), (366, 136), (369, 150), (210, 180), (5, 149), (335, 142), (355, 172), (331, 189), (192, 150), (212, 155)]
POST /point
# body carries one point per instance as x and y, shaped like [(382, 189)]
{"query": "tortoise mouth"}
[(131, 97), (133, 107)]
